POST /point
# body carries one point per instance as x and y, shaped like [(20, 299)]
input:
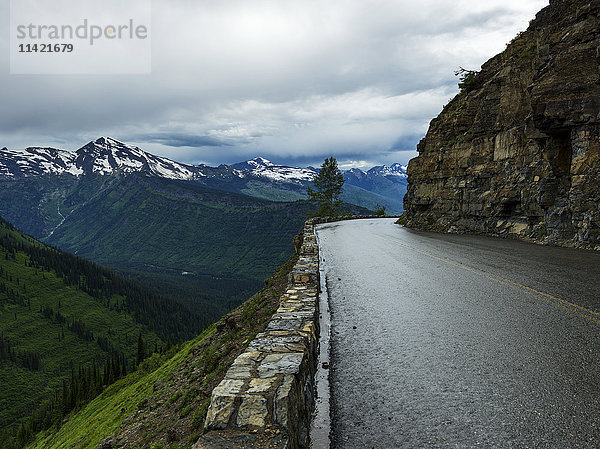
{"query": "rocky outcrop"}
[(517, 152)]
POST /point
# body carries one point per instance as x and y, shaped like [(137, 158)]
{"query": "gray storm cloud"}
[(293, 81)]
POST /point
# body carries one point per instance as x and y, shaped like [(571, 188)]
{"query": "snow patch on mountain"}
[(286, 174), (260, 162), (252, 164), (356, 172), (35, 161), (396, 169), (263, 168)]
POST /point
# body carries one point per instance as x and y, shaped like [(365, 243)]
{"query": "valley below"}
[(206, 236)]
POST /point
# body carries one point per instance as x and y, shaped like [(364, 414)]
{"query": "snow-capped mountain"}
[(36, 161), (385, 184), (392, 172), (263, 168), (355, 173), (253, 164), (108, 156), (104, 156), (396, 173)]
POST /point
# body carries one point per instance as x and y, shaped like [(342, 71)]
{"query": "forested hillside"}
[(163, 404), (68, 328), (209, 248)]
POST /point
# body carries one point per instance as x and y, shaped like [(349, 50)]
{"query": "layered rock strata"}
[(517, 152)]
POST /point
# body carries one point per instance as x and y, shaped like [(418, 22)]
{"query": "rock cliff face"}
[(517, 152)]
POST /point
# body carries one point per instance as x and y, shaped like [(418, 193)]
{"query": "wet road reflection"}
[(460, 341)]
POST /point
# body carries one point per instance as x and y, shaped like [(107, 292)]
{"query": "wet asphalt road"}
[(460, 341)]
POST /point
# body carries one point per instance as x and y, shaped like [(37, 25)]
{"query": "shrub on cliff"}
[(467, 79)]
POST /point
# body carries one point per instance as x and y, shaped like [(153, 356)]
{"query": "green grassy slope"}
[(37, 205), (106, 308), (164, 403)]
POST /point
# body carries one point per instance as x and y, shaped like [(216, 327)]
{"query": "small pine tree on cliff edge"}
[(328, 188)]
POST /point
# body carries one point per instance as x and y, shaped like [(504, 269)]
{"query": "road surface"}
[(460, 341)]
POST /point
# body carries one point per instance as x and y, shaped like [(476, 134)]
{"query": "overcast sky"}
[(294, 81)]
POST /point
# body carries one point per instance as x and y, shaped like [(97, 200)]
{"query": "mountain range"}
[(259, 177), (207, 236), (204, 235)]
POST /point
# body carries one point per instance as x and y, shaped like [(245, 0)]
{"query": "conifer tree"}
[(141, 350), (123, 365), (328, 188)]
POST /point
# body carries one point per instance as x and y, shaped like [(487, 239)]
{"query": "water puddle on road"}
[(321, 425)]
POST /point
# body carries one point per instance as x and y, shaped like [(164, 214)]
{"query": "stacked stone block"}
[(271, 384), (267, 396)]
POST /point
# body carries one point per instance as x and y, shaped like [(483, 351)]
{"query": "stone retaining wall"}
[(267, 396)]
